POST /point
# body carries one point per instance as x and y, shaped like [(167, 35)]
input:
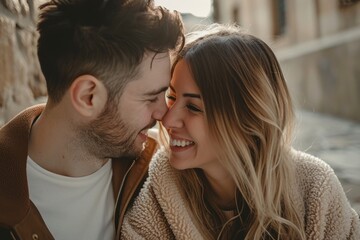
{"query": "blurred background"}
[(317, 43)]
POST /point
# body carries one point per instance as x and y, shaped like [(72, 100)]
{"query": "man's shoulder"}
[(15, 132), (13, 155), (24, 118)]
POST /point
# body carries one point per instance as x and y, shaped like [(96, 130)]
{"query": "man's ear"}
[(88, 95)]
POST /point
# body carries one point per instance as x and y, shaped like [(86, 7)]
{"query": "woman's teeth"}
[(180, 143)]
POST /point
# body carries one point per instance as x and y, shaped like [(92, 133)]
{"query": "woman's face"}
[(190, 143)]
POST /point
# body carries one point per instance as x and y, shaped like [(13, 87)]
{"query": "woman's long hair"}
[(250, 115)]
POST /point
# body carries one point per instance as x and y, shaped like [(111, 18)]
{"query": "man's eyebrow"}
[(156, 91), (192, 95)]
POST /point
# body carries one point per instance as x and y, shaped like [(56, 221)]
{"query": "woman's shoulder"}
[(310, 167), (164, 187), (162, 175), (323, 201), (315, 178)]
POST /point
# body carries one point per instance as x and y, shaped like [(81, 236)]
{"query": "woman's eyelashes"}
[(193, 108), (170, 99)]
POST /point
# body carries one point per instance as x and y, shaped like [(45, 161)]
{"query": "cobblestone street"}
[(337, 142)]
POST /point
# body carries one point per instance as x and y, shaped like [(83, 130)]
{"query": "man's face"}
[(121, 129)]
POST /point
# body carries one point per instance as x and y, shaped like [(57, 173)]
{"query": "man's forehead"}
[(151, 63), (151, 57), (155, 55), (152, 79)]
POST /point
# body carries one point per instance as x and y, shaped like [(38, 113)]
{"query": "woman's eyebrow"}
[(192, 95)]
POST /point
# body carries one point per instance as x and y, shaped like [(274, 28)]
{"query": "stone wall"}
[(21, 80)]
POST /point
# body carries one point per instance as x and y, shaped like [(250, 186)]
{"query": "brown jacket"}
[(19, 217)]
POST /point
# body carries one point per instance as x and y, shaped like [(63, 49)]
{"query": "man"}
[(70, 169)]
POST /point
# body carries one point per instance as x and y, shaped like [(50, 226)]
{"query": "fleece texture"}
[(160, 211)]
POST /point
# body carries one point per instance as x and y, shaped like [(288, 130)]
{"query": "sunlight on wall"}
[(199, 8)]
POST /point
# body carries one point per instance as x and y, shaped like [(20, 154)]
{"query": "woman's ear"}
[(88, 96)]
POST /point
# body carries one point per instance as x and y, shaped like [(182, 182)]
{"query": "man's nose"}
[(160, 110)]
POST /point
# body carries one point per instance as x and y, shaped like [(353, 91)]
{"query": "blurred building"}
[(317, 43), (193, 23)]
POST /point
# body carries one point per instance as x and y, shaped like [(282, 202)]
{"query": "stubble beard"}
[(109, 136)]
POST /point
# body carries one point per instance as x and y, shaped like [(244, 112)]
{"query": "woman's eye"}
[(193, 108), (170, 100), (170, 97)]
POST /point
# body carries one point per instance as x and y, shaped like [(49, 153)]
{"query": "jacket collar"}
[(133, 182), (15, 206)]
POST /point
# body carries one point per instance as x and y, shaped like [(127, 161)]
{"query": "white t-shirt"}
[(74, 208)]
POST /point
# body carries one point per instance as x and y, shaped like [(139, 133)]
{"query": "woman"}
[(229, 171)]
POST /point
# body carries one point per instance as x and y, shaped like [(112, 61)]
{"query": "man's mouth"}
[(151, 125), (144, 132)]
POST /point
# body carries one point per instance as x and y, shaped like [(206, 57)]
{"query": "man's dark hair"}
[(103, 38)]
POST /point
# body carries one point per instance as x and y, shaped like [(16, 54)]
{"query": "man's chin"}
[(135, 151), (130, 155)]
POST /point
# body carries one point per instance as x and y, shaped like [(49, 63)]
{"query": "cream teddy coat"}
[(160, 212)]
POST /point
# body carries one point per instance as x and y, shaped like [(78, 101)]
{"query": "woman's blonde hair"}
[(250, 115)]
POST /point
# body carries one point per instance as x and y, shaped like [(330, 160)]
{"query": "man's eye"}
[(193, 108), (153, 99)]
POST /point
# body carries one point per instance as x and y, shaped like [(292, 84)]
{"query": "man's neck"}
[(54, 146)]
